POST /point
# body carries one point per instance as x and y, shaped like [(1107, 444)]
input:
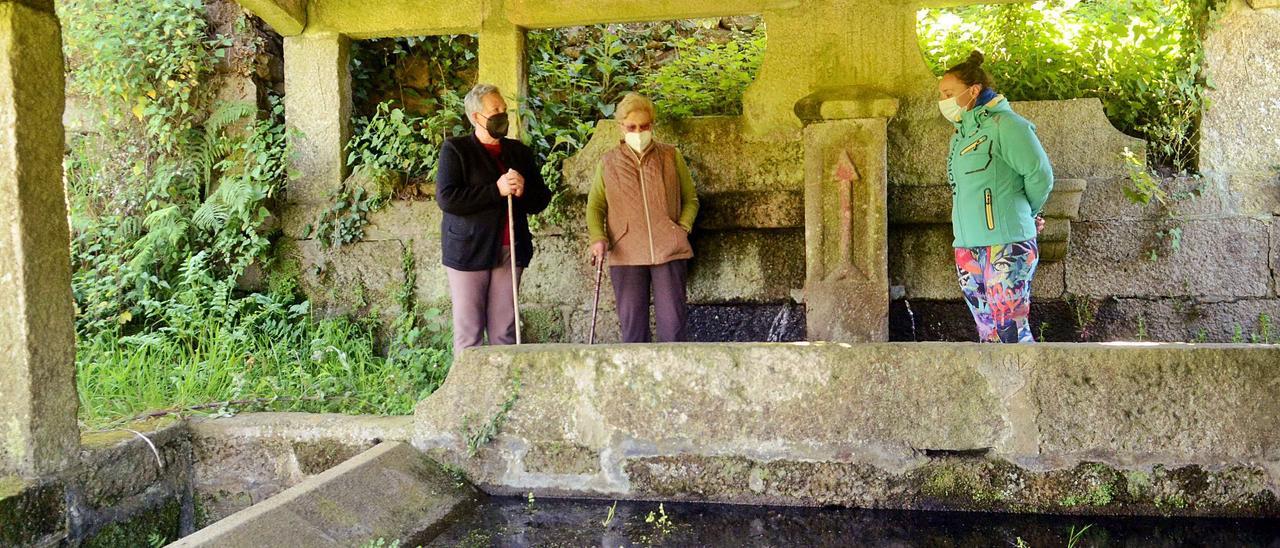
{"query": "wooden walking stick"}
[(515, 288), (595, 304)]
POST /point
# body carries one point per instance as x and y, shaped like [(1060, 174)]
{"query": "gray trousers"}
[(631, 286), (482, 303)]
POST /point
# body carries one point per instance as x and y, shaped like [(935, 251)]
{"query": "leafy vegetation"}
[(1143, 58), (170, 203)]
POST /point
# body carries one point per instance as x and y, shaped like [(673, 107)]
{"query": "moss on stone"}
[(542, 325), (561, 458), (317, 456), (110, 438), (29, 512), (163, 522)]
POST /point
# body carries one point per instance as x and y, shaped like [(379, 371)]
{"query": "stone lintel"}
[(391, 18), (565, 13), (38, 5), (287, 17), (846, 102)]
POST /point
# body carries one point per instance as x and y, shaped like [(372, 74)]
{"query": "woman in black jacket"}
[(476, 174)]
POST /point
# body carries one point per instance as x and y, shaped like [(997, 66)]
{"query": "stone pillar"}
[(1240, 131), (317, 101), (38, 431), (846, 221), (502, 61)]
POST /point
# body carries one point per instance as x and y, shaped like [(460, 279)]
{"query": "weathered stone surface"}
[(560, 272), (1104, 200), (38, 432), (746, 266), (351, 279), (32, 513), (390, 491), (503, 62), (846, 103), (1112, 259), (287, 17), (922, 261), (1240, 131), (243, 460), (722, 156), (1080, 141), (1029, 428), (406, 220), (1244, 320), (732, 210), (1275, 255), (126, 488), (846, 227), (1218, 408), (397, 18), (318, 106)]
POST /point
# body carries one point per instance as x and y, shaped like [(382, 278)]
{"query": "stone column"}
[(846, 221), (38, 431), (317, 79), (502, 61), (1240, 131)]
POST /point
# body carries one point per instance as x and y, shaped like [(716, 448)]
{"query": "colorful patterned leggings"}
[(996, 281)]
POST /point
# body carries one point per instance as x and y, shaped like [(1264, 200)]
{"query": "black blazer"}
[(475, 213)]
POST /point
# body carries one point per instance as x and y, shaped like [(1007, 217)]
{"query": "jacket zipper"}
[(644, 198), (991, 218)]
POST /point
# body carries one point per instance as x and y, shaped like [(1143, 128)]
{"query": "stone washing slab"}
[(1041, 428), (391, 491)]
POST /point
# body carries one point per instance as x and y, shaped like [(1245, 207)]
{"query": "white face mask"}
[(639, 141), (951, 109)]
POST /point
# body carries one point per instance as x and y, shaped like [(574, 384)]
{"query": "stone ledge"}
[(1044, 408)]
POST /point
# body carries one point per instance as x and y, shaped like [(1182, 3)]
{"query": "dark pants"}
[(631, 286)]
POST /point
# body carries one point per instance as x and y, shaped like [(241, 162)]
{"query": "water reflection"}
[(516, 522)]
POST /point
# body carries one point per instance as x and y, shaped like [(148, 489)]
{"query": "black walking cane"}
[(595, 305)]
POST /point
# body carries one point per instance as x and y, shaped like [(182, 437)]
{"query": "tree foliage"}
[(1142, 58)]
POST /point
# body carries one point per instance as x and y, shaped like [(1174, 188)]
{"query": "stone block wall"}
[(1100, 281), (749, 242), (747, 277)]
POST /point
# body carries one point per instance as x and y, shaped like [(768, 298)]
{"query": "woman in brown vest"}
[(641, 210)]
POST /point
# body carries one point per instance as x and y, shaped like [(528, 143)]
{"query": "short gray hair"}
[(475, 98)]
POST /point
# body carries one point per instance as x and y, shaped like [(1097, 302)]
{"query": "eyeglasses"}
[(632, 128)]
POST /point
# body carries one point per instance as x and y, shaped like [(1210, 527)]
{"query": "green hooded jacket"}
[(999, 175)]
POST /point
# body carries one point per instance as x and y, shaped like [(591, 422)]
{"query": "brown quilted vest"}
[(643, 193)]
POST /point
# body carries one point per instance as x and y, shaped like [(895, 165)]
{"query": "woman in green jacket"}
[(1000, 178)]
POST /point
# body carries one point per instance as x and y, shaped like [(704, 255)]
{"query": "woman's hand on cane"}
[(511, 183), (597, 251)]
